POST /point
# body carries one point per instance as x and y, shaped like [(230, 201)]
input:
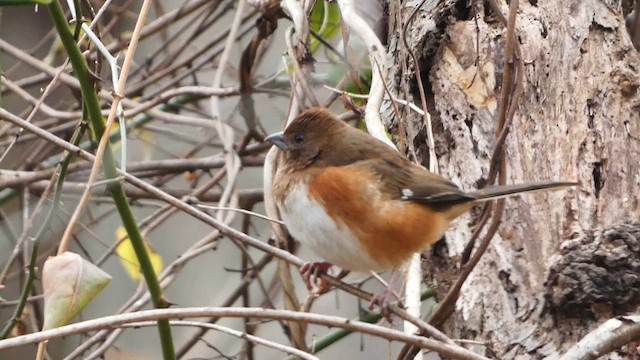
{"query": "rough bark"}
[(561, 261)]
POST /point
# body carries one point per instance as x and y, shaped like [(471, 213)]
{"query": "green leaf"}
[(70, 284), (331, 20), (24, 2)]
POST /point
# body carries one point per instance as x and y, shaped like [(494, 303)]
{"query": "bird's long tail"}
[(497, 192)]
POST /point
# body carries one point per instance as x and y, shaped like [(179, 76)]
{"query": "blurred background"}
[(181, 46)]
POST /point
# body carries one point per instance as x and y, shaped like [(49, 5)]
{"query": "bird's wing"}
[(434, 190), (406, 181)]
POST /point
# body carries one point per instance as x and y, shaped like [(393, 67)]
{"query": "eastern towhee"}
[(358, 203)]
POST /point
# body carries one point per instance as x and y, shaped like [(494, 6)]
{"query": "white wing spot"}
[(406, 193)]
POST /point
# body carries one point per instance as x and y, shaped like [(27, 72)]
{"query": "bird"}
[(358, 203)]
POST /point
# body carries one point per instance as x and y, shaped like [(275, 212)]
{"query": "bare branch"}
[(611, 335), (455, 352)]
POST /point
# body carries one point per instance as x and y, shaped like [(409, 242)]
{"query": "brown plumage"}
[(360, 204)]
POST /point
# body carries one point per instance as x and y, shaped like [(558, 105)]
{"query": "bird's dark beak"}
[(277, 139)]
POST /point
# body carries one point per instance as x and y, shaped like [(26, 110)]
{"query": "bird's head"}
[(315, 136)]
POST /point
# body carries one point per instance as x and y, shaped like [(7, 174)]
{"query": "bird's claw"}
[(312, 272), (383, 302)]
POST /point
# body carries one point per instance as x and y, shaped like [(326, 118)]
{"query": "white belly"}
[(308, 223)]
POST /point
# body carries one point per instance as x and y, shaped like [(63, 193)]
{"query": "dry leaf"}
[(70, 283)]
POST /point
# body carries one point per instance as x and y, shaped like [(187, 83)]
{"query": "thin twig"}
[(239, 334), (243, 211), (104, 141), (508, 103), (379, 68), (455, 352)]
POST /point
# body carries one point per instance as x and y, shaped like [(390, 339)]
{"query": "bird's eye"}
[(298, 138)]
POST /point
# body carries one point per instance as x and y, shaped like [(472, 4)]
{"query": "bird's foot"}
[(383, 302), (311, 273)]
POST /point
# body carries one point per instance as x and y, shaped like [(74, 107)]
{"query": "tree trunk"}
[(561, 262)]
